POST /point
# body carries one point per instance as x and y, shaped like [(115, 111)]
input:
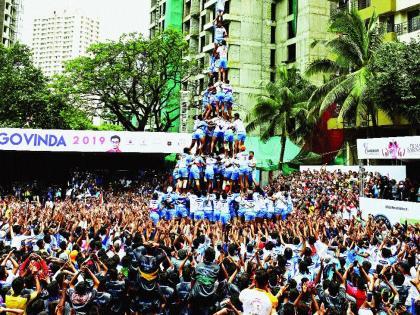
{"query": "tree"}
[(396, 87), (25, 98), (22, 89), (133, 81), (351, 53), (283, 110)]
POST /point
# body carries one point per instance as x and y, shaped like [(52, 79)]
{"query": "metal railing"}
[(411, 25)]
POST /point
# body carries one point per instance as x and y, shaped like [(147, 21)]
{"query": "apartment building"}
[(61, 36), (262, 34), (10, 13), (400, 18)]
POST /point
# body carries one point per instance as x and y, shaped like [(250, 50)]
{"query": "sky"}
[(115, 17)]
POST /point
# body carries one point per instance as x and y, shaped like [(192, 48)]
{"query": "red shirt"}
[(359, 295)]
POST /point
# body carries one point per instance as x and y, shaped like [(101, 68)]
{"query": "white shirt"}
[(196, 203), (17, 241), (255, 302), (227, 88), (219, 33), (223, 51), (243, 158), (239, 126)]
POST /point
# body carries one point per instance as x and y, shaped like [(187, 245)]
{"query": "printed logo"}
[(393, 150)]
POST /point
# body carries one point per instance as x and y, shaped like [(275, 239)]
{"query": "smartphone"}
[(369, 296)]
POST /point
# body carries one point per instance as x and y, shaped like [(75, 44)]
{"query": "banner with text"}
[(391, 211), (92, 141), (389, 148)]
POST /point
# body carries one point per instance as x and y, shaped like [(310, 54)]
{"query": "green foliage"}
[(22, 89), (131, 78), (25, 98), (108, 127), (348, 68), (284, 109), (396, 87)]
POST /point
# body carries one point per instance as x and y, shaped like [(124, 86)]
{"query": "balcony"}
[(209, 3), (367, 7), (408, 30)]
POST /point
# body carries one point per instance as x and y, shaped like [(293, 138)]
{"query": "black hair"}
[(81, 288), (261, 278), (18, 285), (209, 254), (53, 289), (398, 278), (116, 137)]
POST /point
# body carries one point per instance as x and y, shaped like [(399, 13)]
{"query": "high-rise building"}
[(262, 34), (62, 36), (10, 12)]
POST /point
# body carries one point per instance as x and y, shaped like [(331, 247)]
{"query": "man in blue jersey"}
[(199, 134), (181, 206), (228, 100), (154, 208), (240, 132), (184, 160)]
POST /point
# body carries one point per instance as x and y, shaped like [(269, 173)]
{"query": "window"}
[(187, 8), (291, 53), (201, 86), (273, 11), (413, 20), (361, 4), (273, 34), (290, 7), (272, 58), (202, 43), (227, 7), (272, 76), (203, 22), (290, 30)]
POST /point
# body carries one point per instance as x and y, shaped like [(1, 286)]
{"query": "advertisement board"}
[(391, 211), (394, 172), (402, 148), (92, 141)]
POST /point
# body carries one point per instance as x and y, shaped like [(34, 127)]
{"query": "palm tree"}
[(283, 109), (351, 52)]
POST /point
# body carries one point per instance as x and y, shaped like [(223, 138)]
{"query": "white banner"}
[(394, 172), (390, 210), (92, 141), (389, 148)]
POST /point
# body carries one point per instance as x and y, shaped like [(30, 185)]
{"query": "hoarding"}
[(92, 141), (390, 211), (402, 148)]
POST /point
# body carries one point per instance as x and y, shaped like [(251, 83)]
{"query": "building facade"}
[(401, 18), (62, 36), (10, 13), (262, 34)]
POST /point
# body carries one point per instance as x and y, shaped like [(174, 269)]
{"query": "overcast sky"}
[(115, 17)]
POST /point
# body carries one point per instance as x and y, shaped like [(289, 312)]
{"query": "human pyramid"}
[(217, 171)]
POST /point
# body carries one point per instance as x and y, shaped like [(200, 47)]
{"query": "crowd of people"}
[(209, 239), (108, 255)]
